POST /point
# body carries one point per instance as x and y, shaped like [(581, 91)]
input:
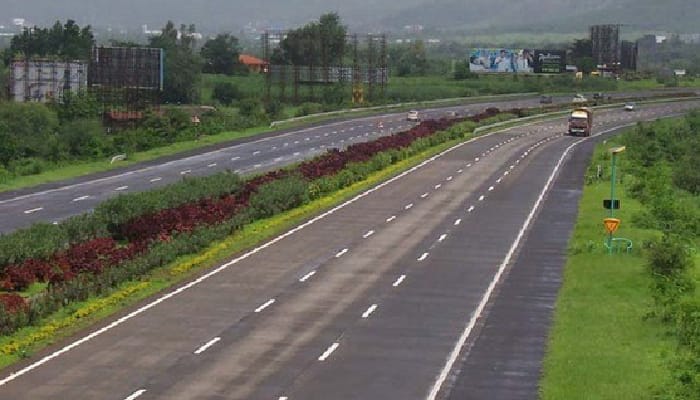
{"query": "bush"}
[(309, 108), (280, 195), (226, 93), (84, 139), (669, 262)]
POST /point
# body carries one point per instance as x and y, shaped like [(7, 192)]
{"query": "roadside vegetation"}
[(205, 82), (627, 326), (47, 269)]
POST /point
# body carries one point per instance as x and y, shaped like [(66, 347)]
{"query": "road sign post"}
[(611, 223)]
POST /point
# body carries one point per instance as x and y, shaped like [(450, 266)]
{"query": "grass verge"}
[(81, 315), (601, 345)]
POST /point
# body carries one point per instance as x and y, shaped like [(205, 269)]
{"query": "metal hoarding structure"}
[(362, 69), (46, 80), (126, 80), (605, 42)]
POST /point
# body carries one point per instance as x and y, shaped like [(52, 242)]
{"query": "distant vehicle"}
[(579, 98), (451, 114), (630, 106), (581, 122), (546, 100), (598, 96), (413, 116)]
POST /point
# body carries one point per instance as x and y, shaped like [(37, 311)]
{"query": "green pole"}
[(612, 199)]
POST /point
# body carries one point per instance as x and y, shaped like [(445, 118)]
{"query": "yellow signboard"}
[(611, 224)]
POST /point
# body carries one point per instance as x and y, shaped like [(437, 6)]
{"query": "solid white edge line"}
[(264, 306), (136, 394), (398, 281), (489, 291), (307, 276), (328, 352), (238, 259), (207, 345), (369, 311)]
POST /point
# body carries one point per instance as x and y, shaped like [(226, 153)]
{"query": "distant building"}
[(254, 64), (689, 38)]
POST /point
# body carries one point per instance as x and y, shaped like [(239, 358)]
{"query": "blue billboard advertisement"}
[(501, 61)]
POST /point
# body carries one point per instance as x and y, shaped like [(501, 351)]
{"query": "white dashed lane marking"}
[(264, 306), (207, 346), (328, 352), (341, 253), (399, 281), (369, 311), (307, 276)]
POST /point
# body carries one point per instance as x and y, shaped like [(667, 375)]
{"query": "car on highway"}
[(413, 116), (451, 114), (546, 100), (630, 106), (579, 98)]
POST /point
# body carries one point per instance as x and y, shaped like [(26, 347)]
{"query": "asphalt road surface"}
[(380, 298), (54, 202)]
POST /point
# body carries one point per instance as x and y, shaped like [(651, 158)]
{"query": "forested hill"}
[(491, 16), (495, 16)]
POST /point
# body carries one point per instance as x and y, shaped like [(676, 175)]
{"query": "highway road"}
[(55, 202), (386, 296)]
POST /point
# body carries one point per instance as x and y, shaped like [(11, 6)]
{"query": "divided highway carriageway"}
[(386, 296)]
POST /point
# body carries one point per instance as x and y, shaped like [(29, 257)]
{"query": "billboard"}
[(127, 67), (44, 80), (501, 61), (549, 61)]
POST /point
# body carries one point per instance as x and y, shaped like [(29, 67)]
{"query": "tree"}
[(67, 42), (220, 55), (316, 43), (182, 65), (80, 105), (411, 59), (26, 129)]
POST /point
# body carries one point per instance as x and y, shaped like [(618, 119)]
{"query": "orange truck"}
[(581, 122)]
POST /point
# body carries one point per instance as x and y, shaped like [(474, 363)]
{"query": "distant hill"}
[(489, 16), (551, 15)]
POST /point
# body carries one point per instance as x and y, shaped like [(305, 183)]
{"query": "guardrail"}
[(401, 105)]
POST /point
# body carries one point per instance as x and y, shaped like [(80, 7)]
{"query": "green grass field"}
[(601, 345)]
